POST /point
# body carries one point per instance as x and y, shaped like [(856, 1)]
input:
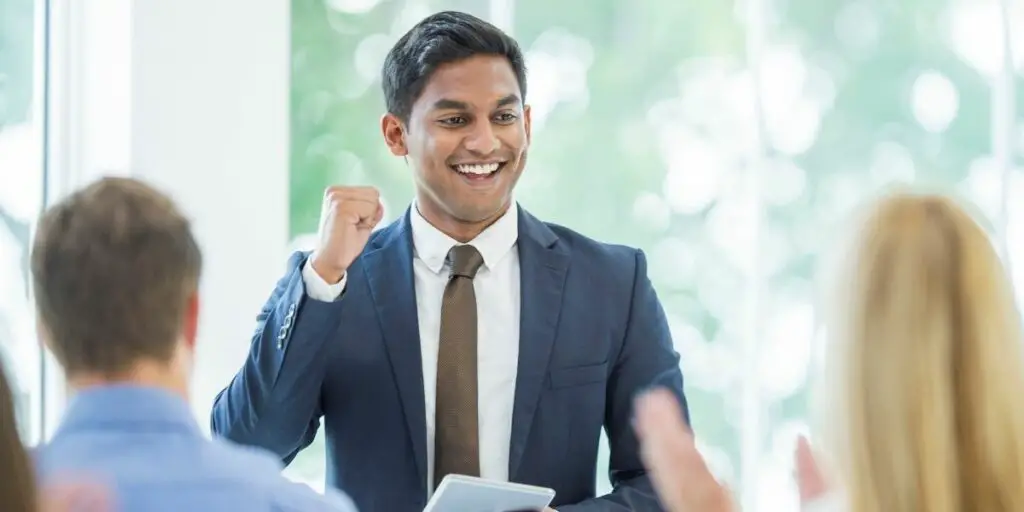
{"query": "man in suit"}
[(115, 270), (467, 337)]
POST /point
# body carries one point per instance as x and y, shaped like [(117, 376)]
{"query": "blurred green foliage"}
[(589, 165)]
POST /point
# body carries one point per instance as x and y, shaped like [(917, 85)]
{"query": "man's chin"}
[(478, 214)]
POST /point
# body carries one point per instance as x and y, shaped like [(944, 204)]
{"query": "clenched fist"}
[(347, 218)]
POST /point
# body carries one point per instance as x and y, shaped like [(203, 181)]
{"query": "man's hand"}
[(682, 479), (348, 216)]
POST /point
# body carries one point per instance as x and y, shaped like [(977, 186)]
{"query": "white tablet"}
[(459, 493)]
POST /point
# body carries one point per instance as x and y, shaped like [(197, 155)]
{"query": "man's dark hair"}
[(113, 266), (439, 39)]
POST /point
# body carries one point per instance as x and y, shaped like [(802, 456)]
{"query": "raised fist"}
[(347, 218)]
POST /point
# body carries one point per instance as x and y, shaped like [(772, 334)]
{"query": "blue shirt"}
[(145, 445)]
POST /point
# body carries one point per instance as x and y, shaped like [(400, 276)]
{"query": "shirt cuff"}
[(317, 288)]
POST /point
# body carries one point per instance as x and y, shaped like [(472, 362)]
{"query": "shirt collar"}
[(431, 246), (122, 404)]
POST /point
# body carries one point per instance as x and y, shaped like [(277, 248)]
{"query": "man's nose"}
[(482, 140)]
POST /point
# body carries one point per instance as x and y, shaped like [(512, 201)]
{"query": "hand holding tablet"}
[(458, 493)]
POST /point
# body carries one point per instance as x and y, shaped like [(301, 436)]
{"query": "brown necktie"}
[(456, 443)]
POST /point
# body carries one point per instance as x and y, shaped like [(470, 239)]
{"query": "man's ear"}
[(190, 330), (42, 333), (526, 124), (394, 134)]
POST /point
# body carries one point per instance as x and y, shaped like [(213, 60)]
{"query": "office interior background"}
[(729, 139)]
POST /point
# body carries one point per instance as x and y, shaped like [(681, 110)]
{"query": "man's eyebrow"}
[(511, 99), (447, 104), (450, 104)]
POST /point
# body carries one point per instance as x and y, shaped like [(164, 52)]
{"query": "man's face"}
[(466, 139)]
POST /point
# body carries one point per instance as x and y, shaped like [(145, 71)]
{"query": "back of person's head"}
[(17, 480), (440, 39), (116, 275), (929, 365)]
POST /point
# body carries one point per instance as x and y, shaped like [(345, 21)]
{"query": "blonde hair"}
[(928, 365)]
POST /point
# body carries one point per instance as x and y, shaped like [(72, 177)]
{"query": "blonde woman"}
[(926, 365)]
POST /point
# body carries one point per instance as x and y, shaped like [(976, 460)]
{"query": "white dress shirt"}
[(497, 302)]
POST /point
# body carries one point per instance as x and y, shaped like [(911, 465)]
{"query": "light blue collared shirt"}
[(145, 445)]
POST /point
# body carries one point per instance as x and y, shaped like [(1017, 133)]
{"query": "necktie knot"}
[(465, 261)]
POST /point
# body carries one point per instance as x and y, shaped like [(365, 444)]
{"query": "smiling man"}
[(468, 337)]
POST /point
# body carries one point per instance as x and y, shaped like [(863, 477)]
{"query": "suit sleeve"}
[(274, 400), (647, 359)]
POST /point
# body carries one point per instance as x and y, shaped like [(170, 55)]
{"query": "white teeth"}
[(477, 168)]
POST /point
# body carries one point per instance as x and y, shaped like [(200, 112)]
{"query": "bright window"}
[(22, 178), (724, 138)]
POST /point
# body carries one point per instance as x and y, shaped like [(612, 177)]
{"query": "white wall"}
[(192, 96)]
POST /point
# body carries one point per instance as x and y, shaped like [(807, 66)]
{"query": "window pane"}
[(21, 194), (650, 146), (726, 142), (857, 96)]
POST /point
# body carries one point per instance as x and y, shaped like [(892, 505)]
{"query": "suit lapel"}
[(390, 275), (543, 264)]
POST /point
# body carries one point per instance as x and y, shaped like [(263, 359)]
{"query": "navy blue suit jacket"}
[(592, 335)]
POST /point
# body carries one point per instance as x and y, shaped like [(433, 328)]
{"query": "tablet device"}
[(458, 493)]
